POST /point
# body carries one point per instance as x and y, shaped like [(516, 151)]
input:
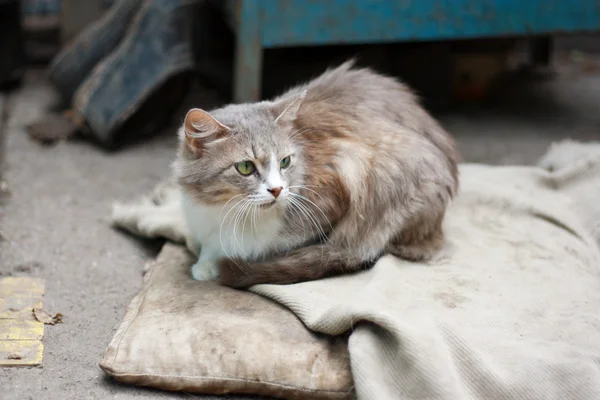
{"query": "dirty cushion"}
[(181, 334)]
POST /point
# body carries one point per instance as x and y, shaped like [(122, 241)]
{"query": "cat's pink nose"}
[(275, 191)]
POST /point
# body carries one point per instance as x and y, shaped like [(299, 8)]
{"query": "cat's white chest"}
[(231, 231)]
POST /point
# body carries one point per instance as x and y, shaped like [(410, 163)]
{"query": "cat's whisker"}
[(242, 269), (234, 229), (256, 213), (312, 218), (316, 206), (235, 220), (312, 215), (223, 219), (238, 219), (245, 217), (306, 187), (301, 214), (253, 210), (221, 226), (229, 201), (299, 218)]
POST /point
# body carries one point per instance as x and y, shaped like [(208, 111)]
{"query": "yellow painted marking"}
[(21, 352), (18, 329), (20, 333)]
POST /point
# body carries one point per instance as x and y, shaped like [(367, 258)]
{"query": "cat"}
[(320, 181)]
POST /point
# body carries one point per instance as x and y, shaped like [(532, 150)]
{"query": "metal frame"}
[(262, 24)]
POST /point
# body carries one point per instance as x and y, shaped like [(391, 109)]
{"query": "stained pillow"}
[(181, 334)]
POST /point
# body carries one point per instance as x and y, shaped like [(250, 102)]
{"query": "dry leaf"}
[(46, 318), (14, 356)]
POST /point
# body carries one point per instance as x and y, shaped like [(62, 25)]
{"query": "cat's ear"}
[(201, 128), (286, 109)]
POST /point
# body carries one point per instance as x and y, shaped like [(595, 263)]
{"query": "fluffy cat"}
[(320, 181)]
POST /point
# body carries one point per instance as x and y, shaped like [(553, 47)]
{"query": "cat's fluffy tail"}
[(303, 264)]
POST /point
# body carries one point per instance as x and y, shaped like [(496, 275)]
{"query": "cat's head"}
[(240, 153)]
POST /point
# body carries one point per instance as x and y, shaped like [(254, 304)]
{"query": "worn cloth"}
[(509, 312), (509, 309)]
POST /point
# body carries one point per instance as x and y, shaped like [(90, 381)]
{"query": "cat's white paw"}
[(205, 271)]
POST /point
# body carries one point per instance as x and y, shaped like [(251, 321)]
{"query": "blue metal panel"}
[(301, 22), (248, 59)]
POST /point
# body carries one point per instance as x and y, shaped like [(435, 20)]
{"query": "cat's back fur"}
[(390, 163), (346, 99)]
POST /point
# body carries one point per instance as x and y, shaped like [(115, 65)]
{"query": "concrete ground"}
[(55, 224)]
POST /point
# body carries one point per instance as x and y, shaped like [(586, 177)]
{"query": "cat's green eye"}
[(245, 167), (285, 162)]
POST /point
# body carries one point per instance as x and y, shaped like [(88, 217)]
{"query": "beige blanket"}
[(509, 310)]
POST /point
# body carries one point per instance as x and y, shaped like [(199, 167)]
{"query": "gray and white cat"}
[(320, 181)]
